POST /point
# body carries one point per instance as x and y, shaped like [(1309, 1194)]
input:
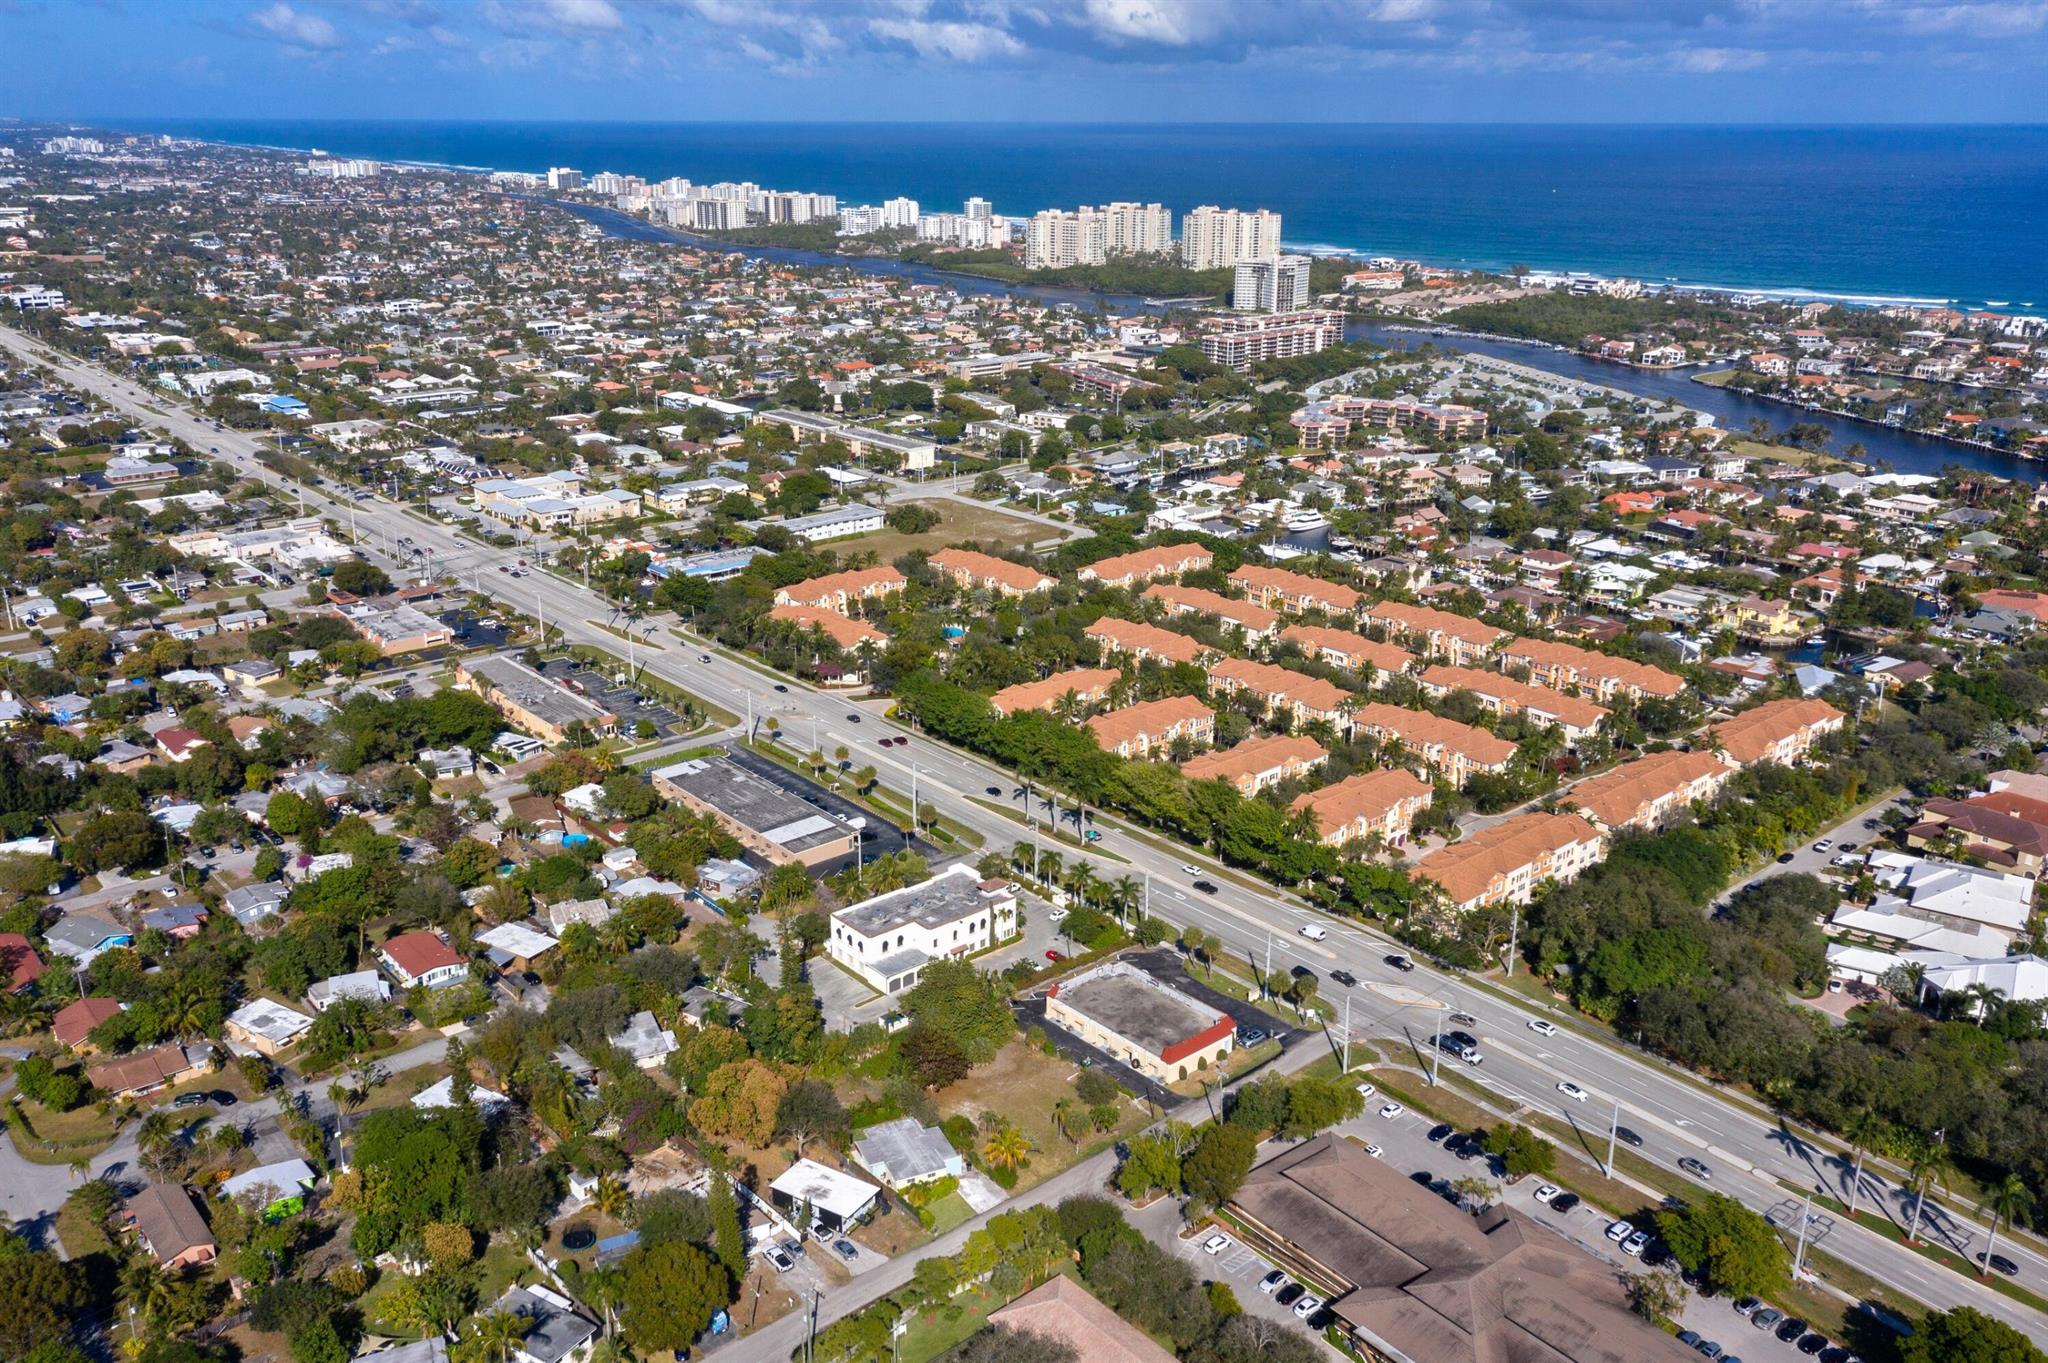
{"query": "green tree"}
[(728, 1240), (38, 1295), (1520, 1150), (1215, 1169), (1967, 1335), (291, 815), (1733, 1247), (1152, 1162), (116, 840), (965, 1003), (670, 1292)]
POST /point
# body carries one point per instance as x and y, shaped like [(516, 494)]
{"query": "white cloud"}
[(1708, 60), (953, 41), (594, 15), (1977, 20), (296, 29)]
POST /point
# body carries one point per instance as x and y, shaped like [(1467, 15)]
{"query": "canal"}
[(1883, 446)]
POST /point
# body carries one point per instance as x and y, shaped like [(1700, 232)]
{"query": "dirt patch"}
[(762, 1299)]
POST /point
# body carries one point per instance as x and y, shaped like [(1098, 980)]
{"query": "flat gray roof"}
[(949, 896), (532, 692), (1136, 1007), (755, 803)]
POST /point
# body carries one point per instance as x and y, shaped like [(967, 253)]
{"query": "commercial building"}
[(1140, 1021), (1258, 763), (1369, 804), (1781, 731), (910, 452), (841, 522), (1241, 342), (1505, 863), (396, 628), (767, 819), (1412, 1279), (1276, 285), (986, 572), (1213, 238), (1141, 730), (544, 708), (1088, 684), (1645, 792), (888, 940)]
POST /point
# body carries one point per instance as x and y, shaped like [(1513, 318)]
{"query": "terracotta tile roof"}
[(1330, 595), (1152, 719), (1132, 636), (1748, 736), (1063, 1310), (981, 568), (1467, 870), (1087, 682), (416, 953), (1368, 795), (18, 960), (1599, 667), (1271, 679), (1253, 757), (1429, 620), (1256, 619), (1169, 560), (75, 1020), (1616, 798), (140, 1069), (1573, 712), (1419, 728), (818, 591), (840, 629), (1313, 640)]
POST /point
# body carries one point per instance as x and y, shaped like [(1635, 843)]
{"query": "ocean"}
[(1931, 214)]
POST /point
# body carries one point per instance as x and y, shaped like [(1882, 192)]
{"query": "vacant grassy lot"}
[(990, 525), (1022, 1084)]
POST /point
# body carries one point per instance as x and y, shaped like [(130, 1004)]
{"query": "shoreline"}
[(1329, 250), (1941, 437)]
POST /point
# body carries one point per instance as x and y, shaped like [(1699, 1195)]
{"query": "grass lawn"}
[(994, 528), (59, 1137), (1021, 1084), (933, 1331), (81, 1235), (948, 1212), (1783, 454)]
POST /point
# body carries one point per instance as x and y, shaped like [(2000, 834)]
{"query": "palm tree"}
[(1081, 881), (1066, 1115), (1867, 1131), (605, 1288), (1128, 894), (152, 1292), (157, 1134), (610, 1197), (2010, 1201), (1928, 1166), (81, 1168), (493, 1337), (1007, 1147)]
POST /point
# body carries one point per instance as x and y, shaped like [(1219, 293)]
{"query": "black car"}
[(1422, 1176), (1790, 1328), (852, 719), (1302, 972), (1564, 1202), (2001, 1263), (1345, 978), (993, 790), (1628, 1137), (192, 1100), (1206, 886), (1399, 962), (780, 687), (1290, 1294), (1813, 1343), (1784, 859), (1439, 1133)]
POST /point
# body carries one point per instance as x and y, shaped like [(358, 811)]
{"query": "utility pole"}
[(1344, 1062), (1799, 1255), (1436, 1050), (1514, 934), (1266, 984), (1613, 1134)]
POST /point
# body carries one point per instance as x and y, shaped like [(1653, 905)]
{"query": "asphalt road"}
[(1676, 1114)]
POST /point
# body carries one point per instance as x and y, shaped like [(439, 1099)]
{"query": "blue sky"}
[(1626, 61)]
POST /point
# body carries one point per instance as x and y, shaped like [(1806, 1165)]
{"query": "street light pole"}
[(1613, 1133), (1436, 1050), (1799, 1255)]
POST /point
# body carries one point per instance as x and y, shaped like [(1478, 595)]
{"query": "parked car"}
[(780, 1257), (1766, 1318), (1250, 1036), (846, 1250), (1272, 1282), (1392, 1110), (1374, 1151), (1747, 1306), (1636, 1244), (1619, 1231), (192, 1100), (1440, 1132), (1547, 1192), (1217, 1243), (1308, 1306), (1564, 1202)]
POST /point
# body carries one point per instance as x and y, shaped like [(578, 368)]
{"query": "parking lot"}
[(631, 706), (878, 838), (1404, 1143)]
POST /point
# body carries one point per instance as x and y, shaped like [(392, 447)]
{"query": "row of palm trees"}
[(1930, 1165)]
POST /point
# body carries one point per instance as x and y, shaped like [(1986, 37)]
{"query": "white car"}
[(1308, 1305), (1374, 1151), (1548, 1191), (1636, 1244), (1620, 1231), (1392, 1110), (1542, 1028), (1216, 1244), (1368, 1090), (1571, 1090), (1189, 869)]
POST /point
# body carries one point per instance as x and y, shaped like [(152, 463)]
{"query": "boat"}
[(1307, 518)]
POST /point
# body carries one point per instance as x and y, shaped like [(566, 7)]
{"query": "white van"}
[(1315, 932)]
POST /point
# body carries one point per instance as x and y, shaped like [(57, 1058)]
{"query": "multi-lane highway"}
[(1751, 1155)]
